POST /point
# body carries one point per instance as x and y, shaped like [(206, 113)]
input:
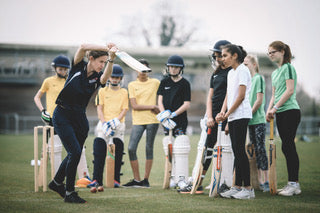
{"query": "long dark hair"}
[(232, 49), (279, 46)]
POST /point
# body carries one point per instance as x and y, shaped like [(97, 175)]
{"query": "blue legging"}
[(72, 128), (136, 134)]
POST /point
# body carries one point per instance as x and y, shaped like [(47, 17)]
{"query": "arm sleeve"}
[(187, 92), (131, 91), (45, 86), (290, 72)]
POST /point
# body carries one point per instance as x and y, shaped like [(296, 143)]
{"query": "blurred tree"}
[(308, 105), (163, 25)]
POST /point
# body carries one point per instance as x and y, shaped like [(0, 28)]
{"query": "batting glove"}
[(114, 123), (45, 117), (107, 130), (169, 124), (174, 114), (163, 115)]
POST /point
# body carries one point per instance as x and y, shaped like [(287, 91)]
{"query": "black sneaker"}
[(74, 198), (145, 183), (223, 188), (133, 183), (57, 188), (199, 190)]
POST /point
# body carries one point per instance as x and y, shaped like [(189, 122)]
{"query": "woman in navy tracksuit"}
[(69, 117)]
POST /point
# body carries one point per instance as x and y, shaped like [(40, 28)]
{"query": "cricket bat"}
[(216, 166), (251, 153), (168, 164), (132, 62), (272, 163), (201, 160), (110, 164)]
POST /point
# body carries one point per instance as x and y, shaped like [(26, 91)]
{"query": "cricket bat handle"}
[(271, 129)]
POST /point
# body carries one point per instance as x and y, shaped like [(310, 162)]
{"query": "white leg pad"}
[(82, 166), (57, 151), (181, 149), (227, 160)]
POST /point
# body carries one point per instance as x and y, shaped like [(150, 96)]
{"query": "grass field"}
[(17, 188)]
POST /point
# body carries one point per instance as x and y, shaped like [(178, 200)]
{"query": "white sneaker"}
[(290, 189), (244, 194), (230, 192), (172, 183)]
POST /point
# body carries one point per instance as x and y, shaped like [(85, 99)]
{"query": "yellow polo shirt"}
[(52, 86), (145, 93), (113, 101)]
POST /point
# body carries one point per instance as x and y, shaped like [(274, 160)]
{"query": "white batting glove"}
[(45, 117), (174, 114), (107, 130), (169, 124), (114, 123), (163, 115)]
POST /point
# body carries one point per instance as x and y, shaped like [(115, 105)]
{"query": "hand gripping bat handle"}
[(271, 129)]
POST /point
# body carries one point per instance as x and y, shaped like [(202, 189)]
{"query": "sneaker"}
[(261, 186), (172, 183), (145, 183), (60, 189), (133, 183), (116, 184), (93, 184), (230, 192), (199, 190), (266, 187), (290, 190), (185, 190), (244, 194), (223, 188), (74, 198)]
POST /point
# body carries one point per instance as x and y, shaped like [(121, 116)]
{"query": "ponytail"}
[(232, 49), (279, 46)]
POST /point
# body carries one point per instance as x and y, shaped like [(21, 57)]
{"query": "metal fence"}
[(21, 124)]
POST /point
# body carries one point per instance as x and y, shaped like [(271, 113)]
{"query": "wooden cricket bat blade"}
[(132, 62), (272, 169), (110, 164)]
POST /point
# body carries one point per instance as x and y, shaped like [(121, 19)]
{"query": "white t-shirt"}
[(240, 76)]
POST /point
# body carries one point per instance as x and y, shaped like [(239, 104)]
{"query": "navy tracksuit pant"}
[(72, 127)]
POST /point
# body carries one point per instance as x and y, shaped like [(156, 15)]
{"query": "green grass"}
[(17, 188)]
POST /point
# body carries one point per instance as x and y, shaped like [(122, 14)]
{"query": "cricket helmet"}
[(217, 46), (117, 71), (61, 61), (175, 60)]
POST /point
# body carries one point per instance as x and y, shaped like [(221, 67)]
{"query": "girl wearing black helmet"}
[(69, 118), (174, 94)]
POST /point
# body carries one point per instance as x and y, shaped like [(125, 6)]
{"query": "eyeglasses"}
[(272, 52)]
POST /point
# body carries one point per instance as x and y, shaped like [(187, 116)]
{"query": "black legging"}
[(238, 132), (287, 125)]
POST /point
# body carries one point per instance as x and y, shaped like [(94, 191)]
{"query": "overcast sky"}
[(254, 24)]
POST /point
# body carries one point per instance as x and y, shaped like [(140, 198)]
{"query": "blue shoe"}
[(93, 184), (266, 187)]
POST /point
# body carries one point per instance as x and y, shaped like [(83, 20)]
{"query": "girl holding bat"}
[(236, 108), (69, 118), (284, 105), (257, 125)]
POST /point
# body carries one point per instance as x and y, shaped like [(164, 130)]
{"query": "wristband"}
[(174, 114), (275, 107), (111, 61)]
